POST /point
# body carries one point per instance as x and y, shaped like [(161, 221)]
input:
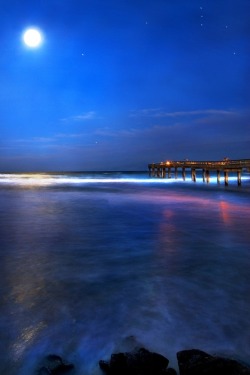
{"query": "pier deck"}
[(164, 169)]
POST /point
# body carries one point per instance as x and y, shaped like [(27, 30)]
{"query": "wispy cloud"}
[(160, 113), (199, 126), (106, 131), (34, 140), (47, 141), (90, 115), (70, 135)]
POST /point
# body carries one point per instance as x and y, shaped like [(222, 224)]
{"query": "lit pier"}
[(226, 166)]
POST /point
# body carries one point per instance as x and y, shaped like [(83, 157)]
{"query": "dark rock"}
[(118, 363), (170, 371), (187, 359), (197, 362), (43, 371), (54, 365), (104, 365), (138, 362)]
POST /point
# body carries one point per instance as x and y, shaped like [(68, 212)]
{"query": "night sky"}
[(116, 85)]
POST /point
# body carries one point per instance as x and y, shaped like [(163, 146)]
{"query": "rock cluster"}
[(138, 362), (54, 365), (197, 362), (190, 362), (143, 362)]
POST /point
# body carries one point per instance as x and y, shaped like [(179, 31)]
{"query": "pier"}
[(223, 167)]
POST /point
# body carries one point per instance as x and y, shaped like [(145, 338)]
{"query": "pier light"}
[(168, 162)]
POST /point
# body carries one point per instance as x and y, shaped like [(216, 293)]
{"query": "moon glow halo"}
[(32, 38)]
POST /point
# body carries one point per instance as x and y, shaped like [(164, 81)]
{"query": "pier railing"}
[(165, 168)]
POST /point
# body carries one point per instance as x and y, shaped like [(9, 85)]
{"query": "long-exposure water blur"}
[(95, 263)]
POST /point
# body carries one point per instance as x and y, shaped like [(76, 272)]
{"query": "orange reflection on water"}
[(232, 213), (168, 232), (225, 209)]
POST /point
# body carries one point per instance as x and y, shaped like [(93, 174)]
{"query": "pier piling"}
[(193, 174), (226, 178), (184, 174), (239, 177), (218, 176), (176, 173)]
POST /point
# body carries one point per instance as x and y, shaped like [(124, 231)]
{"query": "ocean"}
[(96, 263)]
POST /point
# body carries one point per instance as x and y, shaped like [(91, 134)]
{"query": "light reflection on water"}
[(50, 179), (84, 269)]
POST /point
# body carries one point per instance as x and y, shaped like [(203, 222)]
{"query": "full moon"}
[(32, 38)]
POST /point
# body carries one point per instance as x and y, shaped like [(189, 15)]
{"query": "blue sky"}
[(119, 84)]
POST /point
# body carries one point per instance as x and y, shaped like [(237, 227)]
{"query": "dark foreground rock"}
[(197, 362), (143, 362), (54, 365), (137, 362)]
